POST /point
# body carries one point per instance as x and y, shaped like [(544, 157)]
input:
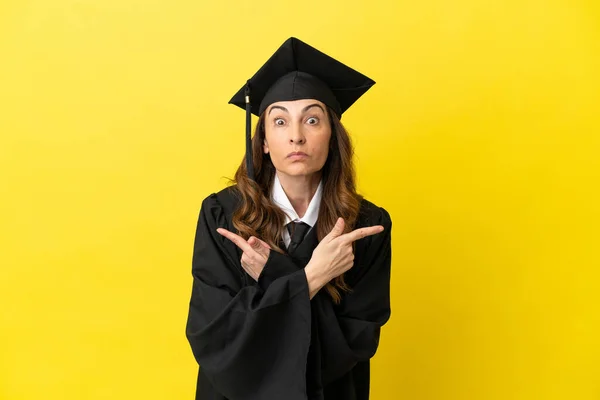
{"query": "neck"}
[(300, 190)]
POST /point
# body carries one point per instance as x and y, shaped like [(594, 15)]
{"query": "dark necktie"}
[(297, 232)]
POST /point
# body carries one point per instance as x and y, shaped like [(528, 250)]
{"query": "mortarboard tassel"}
[(249, 162)]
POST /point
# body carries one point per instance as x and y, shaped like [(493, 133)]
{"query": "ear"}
[(265, 147)]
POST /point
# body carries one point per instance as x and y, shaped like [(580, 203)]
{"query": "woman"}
[(291, 266)]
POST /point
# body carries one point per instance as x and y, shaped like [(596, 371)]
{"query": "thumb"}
[(338, 229), (258, 244), (263, 244), (254, 242)]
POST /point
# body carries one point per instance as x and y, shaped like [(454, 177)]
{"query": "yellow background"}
[(481, 137)]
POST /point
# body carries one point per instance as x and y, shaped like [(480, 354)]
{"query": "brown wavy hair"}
[(259, 216)]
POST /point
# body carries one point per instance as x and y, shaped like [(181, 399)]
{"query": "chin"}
[(302, 171)]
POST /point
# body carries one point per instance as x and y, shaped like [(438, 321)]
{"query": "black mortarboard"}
[(298, 71)]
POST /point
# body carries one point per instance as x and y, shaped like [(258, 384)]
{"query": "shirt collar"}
[(280, 199)]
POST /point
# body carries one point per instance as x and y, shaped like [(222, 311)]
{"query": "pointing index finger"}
[(362, 233), (236, 239)]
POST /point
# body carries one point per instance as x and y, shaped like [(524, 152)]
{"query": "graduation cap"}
[(298, 71)]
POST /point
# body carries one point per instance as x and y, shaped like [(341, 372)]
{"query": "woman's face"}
[(297, 136)]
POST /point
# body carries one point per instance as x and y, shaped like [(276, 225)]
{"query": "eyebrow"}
[(305, 109)]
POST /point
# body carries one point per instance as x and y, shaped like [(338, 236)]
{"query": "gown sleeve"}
[(349, 332), (277, 266), (251, 341)]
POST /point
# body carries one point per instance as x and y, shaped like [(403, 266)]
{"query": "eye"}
[(313, 120), (279, 121)]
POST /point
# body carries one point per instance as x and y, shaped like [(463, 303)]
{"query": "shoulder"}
[(372, 214), (218, 207), (372, 253), (227, 199)]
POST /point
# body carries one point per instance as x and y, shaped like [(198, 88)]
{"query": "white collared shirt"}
[(281, 200)]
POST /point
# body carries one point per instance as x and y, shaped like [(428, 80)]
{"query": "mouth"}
[(297, 155)]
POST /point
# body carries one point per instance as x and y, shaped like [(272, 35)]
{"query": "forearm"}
[(316, 279)]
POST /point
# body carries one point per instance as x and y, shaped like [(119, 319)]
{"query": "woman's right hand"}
[(334, 255)]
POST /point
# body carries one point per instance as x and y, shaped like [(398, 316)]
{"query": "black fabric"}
[(299, 71), (298, 85), (297, 231), (267, 340)]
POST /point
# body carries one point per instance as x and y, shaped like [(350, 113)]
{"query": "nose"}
[(297, 135)]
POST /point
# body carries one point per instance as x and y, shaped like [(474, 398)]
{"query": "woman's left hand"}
[(255, 252)]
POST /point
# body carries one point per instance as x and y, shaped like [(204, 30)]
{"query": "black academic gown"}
[(267, 340)]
